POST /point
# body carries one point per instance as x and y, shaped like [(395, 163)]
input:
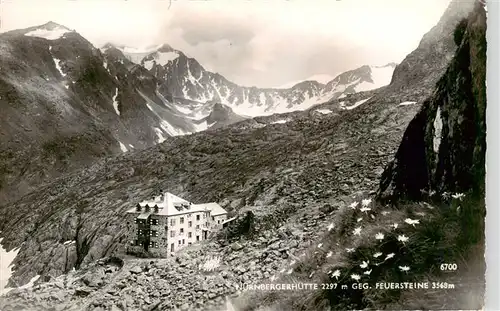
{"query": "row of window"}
[(151, 243), (181, 231), (151, 221), (148, 232), (181, 219)]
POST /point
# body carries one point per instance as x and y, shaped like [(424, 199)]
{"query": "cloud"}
[(251, 42)]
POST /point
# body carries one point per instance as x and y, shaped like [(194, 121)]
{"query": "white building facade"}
[(168, 223)]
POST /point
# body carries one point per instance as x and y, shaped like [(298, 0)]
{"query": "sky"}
[(263, 43)]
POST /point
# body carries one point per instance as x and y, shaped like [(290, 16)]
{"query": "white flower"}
[(395, 225), (421, 214), (385, 213), (379, 236), (404, 268), (412, 222), (354, 205), (366, 202), (445, 195), (402, 238), (428, 205), (364, 264), (359, 219), (336, 274), (350, 250), (292, 262), (330, 227), (372, 216), (273, 278), (320, 244), (432, 193), (282, 270), (376, 255), (365, 209), (329, 254), (389, 256), (357, 231), (289, 271), (368, 272), (355, 277), (459, 196)]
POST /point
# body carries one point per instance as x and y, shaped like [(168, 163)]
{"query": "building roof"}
[(228, 220), (171, 205)]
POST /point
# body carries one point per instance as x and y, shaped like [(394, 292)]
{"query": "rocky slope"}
[(281, 164), (185, 77)]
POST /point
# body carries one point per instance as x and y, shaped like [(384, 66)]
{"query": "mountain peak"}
[(51, 25)]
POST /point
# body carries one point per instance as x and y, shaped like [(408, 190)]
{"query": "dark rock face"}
[(443, 149), (435, 50), (221, 116)]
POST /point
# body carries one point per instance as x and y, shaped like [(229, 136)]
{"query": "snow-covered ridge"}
[(160, 58), (49, 32)]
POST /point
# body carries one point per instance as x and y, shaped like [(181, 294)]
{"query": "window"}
[(189, 243), (206, 224), (140, 232), (218, 221), (190, 224), (190, 235), (197, 238), (136, 220), (183, 241), (172, 222), (153, 221), (172, 233), (182, 220), (189, 215), (172, 247), (154, 233), (197, 226), (204, 215), (179, 242), (197, 217), (182, 231), (153, 244), (213, 218)]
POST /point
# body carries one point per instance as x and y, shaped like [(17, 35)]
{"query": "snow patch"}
[(407, 103), (122, 147), (280, 122), (54, 34), (69, 242), (161, 58), (357, 104), (183, 109), (58, 66), (6, 259), (115, 103), (381, 76), (438, 128), (159, 133), (324, 111), (131, 146)]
